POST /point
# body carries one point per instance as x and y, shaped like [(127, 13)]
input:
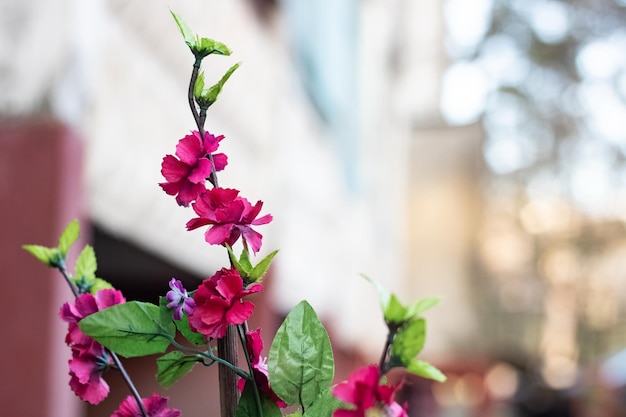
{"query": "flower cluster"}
[(89, 359), (369, 398), (102, 325)]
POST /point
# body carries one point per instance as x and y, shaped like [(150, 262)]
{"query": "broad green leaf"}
[(192, 337), (247, 406), (49, 256), (422, 305), (68, 237), (425, 370), (211, 94), (297, 413), (184, 29), (300, 363), (174, 365), (86, 264), (261, 268), (131, 329), (324, 405), (409, 340)]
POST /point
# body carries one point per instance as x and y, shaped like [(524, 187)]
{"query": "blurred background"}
[(469, 150)]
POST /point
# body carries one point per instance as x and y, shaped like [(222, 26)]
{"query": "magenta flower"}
[(179, 299), (84, 305), (259, 367), (86, 368), (187, 175), (363, 390), (230, 216), (155, 407), (219, 303)]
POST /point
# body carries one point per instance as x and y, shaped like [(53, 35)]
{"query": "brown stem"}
[(229, 395)]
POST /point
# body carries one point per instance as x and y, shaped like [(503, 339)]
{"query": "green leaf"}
[(324, 405), (395, 313), (247, 406), (68, 237), (174, 365), (182, 325), (300, 363), (422, 305), (198, 87), (184, 29), (131, 329), (261, 268), (206, 46), (99, 284), (426, 370), (49, 256), (409, 341), (86, 264), (244, 261), (235, 261), (211, 94)]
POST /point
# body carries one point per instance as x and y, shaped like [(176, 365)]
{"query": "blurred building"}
[(332, 120)]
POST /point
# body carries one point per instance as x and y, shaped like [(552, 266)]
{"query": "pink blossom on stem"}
[(186, 175), (156, 406), (254, 345), (363, 390), (230, 216), (86, 368), (83, 306), (219, 303)]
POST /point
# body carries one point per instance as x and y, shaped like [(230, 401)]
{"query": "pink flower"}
[(259, 367), (187, 175), (89, 358), (155, 407), (179, 299), (86, 368), (219, 303), (364, 391), (230, 216), (84, 305)]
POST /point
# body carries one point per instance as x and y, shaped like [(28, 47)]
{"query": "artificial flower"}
[(229, 216), (369, 397), (219, 303), (83, 306), (86, 368), (155, 407), (179, 299), (254, 347), (186, 175)]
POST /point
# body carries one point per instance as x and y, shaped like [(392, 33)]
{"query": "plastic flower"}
[(179, 299), (219, 303), (259, 367), (363, 390), (84, 305), (187, 174), (230, 216), (155, 407), (86, 368)]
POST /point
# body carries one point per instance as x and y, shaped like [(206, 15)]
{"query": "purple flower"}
[(179, 299)]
